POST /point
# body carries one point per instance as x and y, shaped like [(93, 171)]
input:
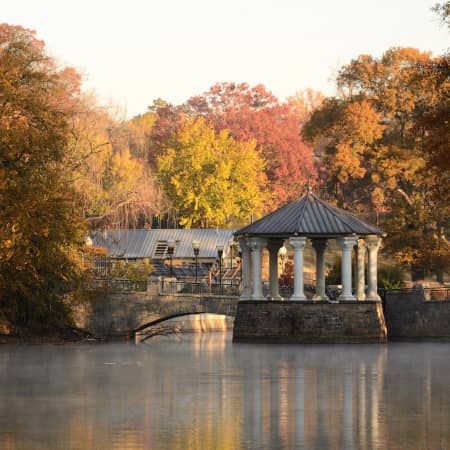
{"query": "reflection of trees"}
[(122, 397), (416, 395), (202, 392)]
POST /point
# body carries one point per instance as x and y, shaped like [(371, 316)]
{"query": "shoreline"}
[(44, 339), (47, 335)]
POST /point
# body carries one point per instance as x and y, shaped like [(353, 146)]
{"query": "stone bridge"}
[(407, 314), (122, 314)]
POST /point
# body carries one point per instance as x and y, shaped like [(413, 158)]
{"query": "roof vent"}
[(160, 249)]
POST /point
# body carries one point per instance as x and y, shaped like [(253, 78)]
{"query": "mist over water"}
[(200, 391)]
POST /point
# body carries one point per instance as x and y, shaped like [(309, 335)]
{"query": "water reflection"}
[(203, 392)]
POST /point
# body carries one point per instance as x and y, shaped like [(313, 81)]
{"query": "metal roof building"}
[(138, 244)]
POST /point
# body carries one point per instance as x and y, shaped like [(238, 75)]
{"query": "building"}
[(166, 248)]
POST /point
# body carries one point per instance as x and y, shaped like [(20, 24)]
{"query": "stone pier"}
[(309, 322)]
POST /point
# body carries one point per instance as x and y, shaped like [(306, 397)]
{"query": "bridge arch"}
[(179, 314), (126, 313)]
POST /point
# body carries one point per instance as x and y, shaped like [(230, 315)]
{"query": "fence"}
[(428, 293), (119, 285), (182, 287), (436, 294), (233, 288)]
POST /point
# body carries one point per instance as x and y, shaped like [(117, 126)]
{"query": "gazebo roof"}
[(309, 215)]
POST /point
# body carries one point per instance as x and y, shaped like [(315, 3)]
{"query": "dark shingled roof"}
[(309, 216)]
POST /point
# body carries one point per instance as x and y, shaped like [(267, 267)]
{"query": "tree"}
[(432, 116), (168, 121), (384, 139), (305, 102), (212, 179), (139, 131), (443, 11), (254, 113), (40, 226), (116, 188)]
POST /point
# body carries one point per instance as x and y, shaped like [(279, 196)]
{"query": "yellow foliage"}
[(347, 163), (377, 197), (114, 185), (361, 123), (212, 179)]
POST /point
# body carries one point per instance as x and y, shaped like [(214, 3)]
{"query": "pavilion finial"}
[(308, 186)]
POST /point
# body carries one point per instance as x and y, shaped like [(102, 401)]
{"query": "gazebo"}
[(295, 223)]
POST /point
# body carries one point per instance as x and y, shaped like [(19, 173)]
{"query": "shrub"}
[(390, 276)]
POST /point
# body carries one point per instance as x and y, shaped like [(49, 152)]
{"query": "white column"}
[(373, 244), (257, 244), (298, 244), (274, 246), (361, 283), (320, 246), (246, 270), (347, 244)]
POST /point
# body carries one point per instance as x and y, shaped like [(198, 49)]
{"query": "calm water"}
[(203, 392)]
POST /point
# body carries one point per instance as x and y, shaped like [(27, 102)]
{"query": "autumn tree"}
[(139, 130), (304, 103), (254, 113), (168, 121), (380, 146), (115, 184), (211, 178), (347, 130), (39, 219)]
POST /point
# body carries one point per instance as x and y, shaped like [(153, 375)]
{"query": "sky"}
[(132, 52)]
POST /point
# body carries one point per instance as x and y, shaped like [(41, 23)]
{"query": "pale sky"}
[(132, 52)]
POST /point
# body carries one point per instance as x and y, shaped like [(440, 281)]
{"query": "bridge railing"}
[(118, 285), (183, 287)]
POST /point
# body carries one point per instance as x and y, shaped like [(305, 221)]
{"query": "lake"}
[(200, 391)]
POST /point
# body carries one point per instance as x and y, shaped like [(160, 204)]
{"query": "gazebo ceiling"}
[(309, 216)]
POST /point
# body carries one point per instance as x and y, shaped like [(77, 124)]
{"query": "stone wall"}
[(118, 314), (409, 316), (309, 322)]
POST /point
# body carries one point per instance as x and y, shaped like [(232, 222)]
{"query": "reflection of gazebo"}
[(309, 218)]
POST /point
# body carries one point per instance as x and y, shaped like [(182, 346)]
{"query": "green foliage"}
[(390, 276), (135, 271), (211, 179), (334, 275)]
